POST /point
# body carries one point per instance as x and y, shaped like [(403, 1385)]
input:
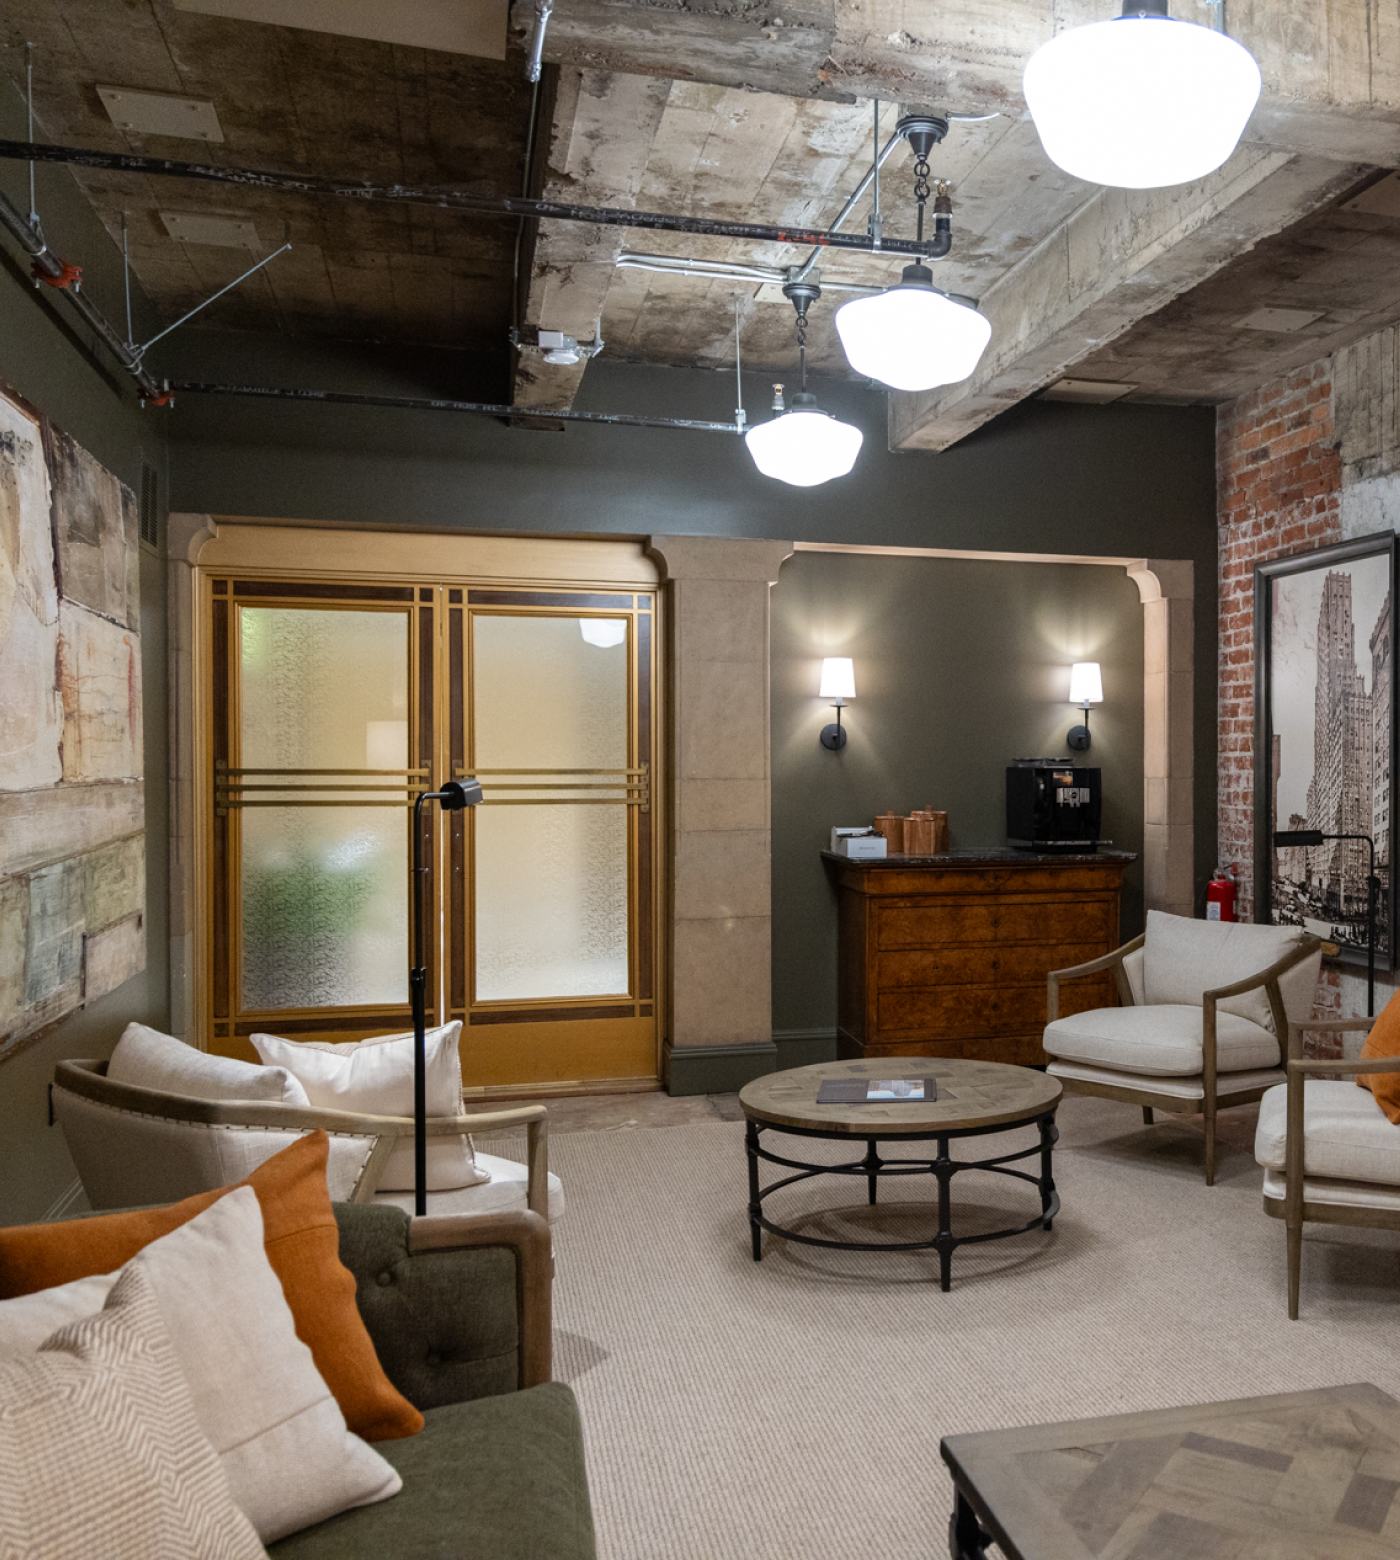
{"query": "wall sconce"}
[(1085, 688), (838, 685)]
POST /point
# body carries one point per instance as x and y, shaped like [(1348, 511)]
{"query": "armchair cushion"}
[(148, 1059), (1384, 1040), (1185, 957), (1346, 1135), (507, 1188), (1165, 1038)]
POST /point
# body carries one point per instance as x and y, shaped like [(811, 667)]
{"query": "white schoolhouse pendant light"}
[(803, 445), (1143, 101), (913, 336)]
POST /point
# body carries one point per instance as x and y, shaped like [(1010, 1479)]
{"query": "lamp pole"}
[(453, 797)]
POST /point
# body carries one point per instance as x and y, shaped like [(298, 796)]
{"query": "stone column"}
[(1167, 590), (719, 851)]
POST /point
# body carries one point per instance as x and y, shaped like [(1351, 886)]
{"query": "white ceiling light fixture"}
[(603, 632), (1143, 101), (802, 444), (913, 336)]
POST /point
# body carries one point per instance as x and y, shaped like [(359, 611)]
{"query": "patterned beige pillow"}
[(100, 1452)]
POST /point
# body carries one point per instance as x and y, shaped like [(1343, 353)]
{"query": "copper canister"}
[(891, 825), (919, 835)]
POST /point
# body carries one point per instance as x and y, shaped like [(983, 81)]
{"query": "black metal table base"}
[(873, 1168)]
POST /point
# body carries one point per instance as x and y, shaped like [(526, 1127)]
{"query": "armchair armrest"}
[(1265, 979), (1108, 961), (1299, 1070), (1342, 1067), (1322, 1026)]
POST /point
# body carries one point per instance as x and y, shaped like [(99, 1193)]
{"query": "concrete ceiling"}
[(760, 111)]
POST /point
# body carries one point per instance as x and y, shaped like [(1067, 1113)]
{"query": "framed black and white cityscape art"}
[(1325, 741)]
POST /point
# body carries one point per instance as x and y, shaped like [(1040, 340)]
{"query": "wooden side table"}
[(1302, 1476)]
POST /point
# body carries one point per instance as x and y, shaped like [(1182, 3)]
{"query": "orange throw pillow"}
[(1384, 1040), (302, 1244)]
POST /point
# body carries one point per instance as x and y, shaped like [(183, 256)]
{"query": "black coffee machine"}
[(1052, 804)]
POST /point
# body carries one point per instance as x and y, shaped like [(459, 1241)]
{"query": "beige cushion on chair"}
[(1186, 957), (1179, 1086), (150, 1060), (506, 1190), (1346, 1135), (1165, 1038)]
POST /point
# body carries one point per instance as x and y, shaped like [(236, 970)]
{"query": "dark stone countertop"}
[(987, 855)]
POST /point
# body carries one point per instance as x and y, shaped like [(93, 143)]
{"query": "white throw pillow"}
[(147, 1059), (375, 1077), (282, 1440), (100, 1449)]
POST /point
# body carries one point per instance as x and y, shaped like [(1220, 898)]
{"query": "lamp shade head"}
[(838, 678), (603, 632), (804, 445), (911, 336), (1085, 683), (1142, 101)]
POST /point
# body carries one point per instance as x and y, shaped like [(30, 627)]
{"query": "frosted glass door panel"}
[(547, 698), (323, 689), (325, 906), (551, 902)]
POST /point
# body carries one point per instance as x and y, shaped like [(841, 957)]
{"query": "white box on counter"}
[(858, 844)]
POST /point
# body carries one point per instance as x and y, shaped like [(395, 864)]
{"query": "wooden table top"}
[(970, 1094), (1301, 1476)]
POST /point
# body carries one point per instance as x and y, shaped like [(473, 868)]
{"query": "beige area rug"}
[(792, 1409)]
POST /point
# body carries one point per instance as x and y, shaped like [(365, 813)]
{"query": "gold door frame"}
[(252, 551)]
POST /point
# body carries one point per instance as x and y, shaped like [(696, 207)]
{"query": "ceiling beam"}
[(600, 138), (1331, 67), (1121, 256)]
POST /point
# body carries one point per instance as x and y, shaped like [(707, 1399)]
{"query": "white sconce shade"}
[(804, 445), (603, 632), (1142, 101), (838, 678), (1085, 684), (912, 337)]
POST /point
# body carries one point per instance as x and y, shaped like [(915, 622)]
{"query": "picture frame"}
[(1325, 740)]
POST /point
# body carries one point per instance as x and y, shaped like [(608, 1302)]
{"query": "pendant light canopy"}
[(913, 337), (804, 445), (1142, 101)]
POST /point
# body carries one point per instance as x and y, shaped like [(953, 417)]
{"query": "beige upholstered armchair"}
[(1329, 1153), (135, 1146), (1204, 1014)]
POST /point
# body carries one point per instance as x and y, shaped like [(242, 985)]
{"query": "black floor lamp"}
[(1286, 837), (453, 797)]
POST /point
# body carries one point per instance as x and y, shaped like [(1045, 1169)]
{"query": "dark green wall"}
[(960, 667), (50, 366)]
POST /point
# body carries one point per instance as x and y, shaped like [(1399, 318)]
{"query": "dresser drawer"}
[(962, 1012), (954, 965), (1092, 922)]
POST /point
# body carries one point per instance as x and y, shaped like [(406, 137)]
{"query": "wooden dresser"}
[(947, 955)]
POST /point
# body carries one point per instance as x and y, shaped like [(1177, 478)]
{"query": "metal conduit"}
[(721, 271), (455, 200), (49, 265), (866, 180), (438, 404)]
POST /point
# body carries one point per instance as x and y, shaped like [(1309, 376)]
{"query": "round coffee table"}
[(974, 1099)]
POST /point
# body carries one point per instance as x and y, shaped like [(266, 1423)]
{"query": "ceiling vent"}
[(218, 230), (1280, 322), (1087, 392), (157, 113), (476, 27)]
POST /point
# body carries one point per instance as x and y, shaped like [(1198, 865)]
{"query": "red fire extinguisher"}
[(1221, 893)]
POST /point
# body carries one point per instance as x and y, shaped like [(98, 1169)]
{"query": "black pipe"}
[(438, 404), (458, 200)]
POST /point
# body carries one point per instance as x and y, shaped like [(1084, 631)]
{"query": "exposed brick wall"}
[(1279, 482)]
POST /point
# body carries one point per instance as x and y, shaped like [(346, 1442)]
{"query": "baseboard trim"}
[(804, 1047), (715, 1069), (64, 1203)]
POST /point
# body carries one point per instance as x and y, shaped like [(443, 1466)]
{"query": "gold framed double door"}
[(332, 704)]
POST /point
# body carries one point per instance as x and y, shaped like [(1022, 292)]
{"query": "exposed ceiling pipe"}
[(544, 9), (438, 404), (725, 271), (868, 178), (67, 279), (454, 200)]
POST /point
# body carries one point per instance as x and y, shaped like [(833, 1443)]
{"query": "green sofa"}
[(459, 1310)]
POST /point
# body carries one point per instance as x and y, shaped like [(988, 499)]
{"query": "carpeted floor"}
[(792, 1409)]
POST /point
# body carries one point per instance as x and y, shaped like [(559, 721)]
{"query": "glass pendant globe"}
[(911, 337), (1141, 102), (804, 445)]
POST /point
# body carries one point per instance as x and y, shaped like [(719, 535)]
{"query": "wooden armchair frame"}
[(89, 1080), (1218, 1093), (1295, 1209)]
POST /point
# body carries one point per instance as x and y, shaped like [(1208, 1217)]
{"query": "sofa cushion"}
[(147, 1059), (1185, 958), (1162, 1039), (501, 1478), (1346, 1135), (507, 1188)]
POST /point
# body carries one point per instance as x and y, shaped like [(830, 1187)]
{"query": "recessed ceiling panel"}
[(1088, 392), (1282, 321), (158, 113), (213, 228), (476, 27)]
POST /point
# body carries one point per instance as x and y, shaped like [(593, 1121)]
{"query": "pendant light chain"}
[(802, 351), (921, 190)]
